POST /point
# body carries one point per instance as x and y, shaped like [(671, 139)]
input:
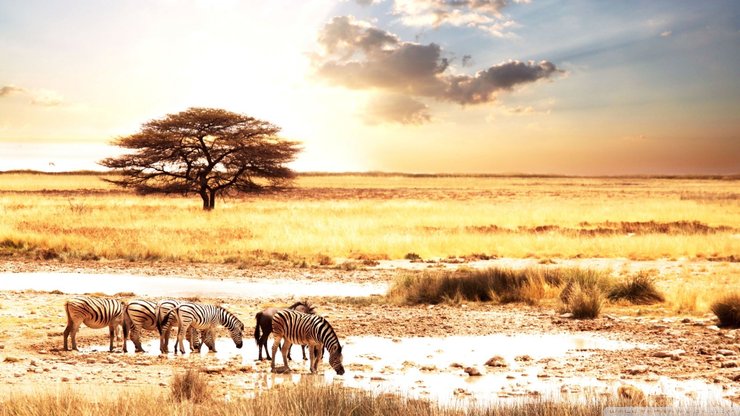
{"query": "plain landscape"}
[(466, 259)]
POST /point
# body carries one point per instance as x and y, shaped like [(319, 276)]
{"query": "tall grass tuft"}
[(190, 385), (585, 279), (727, 310), (639, 290), (493, 284), (584, 302)]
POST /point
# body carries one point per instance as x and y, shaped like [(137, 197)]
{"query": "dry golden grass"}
[(329, 217), (303, 399)]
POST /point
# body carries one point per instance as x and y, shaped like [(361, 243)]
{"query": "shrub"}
[(190, 385), (584, 302), (727, 310), (640, 290), (504, 285), (586, 279)]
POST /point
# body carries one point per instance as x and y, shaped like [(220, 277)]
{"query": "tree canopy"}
[(204, 151)]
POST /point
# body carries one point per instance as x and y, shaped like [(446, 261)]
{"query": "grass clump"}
[(503, 285), (190, 385), (727, 310), (584, 302), (639, 290)]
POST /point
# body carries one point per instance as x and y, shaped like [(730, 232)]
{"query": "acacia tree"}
[(204, 151)]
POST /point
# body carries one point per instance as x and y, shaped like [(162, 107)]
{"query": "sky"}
[(427, 86)]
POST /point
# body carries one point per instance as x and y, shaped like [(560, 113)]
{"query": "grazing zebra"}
[(166, 321), (95, 313), (141, 314), (304, 329), (264, 321), (205, 318)]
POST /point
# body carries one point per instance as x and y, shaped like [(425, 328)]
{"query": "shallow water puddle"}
[(111, 284), (422, 367)]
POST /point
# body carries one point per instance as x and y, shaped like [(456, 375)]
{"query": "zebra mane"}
[(228, 313)]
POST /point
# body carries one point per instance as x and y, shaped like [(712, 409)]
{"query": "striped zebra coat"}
[(165, 323), (205, 318), (95, 313), (142, 314), (301, 328)]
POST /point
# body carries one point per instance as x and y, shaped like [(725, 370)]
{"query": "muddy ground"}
[(31, 355)]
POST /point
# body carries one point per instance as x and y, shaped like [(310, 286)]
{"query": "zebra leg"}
[(67, 331), (75, 328), (303, 350), (180, 338), (285, 350), (164, 339), (136, 338), (312, 362), (112, 330), (275, 344)]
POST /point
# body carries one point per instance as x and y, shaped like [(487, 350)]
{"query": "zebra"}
[(94, 312), (165, 322), (204, 318), (141, 314), (304, 329), (263, 320)]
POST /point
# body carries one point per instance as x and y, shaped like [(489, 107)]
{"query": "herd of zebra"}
[(196, 322)]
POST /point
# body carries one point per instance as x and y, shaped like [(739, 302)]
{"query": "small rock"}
[(213, 369), (726, 352), (456, 365), (472, 371), (496, 361), (461, 392), (686, 320), (523, 358), (638, 369), (566, 315), (377, 378), (65, 379), (713, 328), (729, 364)]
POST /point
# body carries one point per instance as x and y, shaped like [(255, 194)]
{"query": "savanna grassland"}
[(371, 217), (642, 259)]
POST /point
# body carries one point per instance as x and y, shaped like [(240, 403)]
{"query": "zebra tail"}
[(257, 319), (66, 310), (126, 322)]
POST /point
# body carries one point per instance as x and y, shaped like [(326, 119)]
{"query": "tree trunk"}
[(207, 203), (212, 203)]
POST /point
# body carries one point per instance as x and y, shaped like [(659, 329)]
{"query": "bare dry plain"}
[(680, 232)]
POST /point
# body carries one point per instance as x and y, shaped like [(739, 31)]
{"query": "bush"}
[(727, 310), (586, 279), (504, 285), (584, 302), (640, 290), (190, 385)]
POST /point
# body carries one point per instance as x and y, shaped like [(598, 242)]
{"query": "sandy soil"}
[(32, 325)]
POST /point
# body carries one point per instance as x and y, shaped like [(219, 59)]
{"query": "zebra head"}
[(335, 360), (236, 333)]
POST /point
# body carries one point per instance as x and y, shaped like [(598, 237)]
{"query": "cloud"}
[(8, 90), (44, 98), (357, 55), (666, 34), (485, 15), (47, 98), (395, 108)]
